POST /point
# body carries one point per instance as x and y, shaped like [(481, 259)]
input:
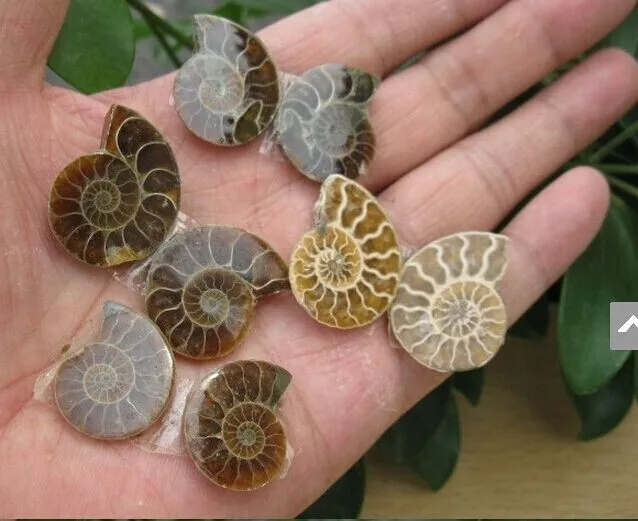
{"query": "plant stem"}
[(626, 187), (613, 143), (152, 19), (607, 168), (615, 169), (170, 52)]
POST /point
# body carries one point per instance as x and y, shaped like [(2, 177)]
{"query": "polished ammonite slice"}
[(345, 271), (230, 425), (227, 93), (203, 284), (118, 385), (119, 203), (447, 312), (322, 123)]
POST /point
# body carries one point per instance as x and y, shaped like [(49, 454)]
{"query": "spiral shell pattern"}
[(345, 272), (202, 286), (322, 123), (119, 385), (447, 312), (227, 93), (230, 426), (118, 204)]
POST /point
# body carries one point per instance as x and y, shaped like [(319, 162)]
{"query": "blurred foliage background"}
[(106, 44)]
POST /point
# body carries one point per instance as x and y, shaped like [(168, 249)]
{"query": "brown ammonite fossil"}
[(322, 123), (118, 204), (227, 93), (345, 271), (448, 314), (203, 284), (118, 385), (230, 425)]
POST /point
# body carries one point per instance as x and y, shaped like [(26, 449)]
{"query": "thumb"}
[(28, 29)]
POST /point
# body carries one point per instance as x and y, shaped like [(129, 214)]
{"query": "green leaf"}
[(407, 436), (604, 273), (534, 323), (231, 11), (343, 500), (437, 459), (625, 35), (603, 410), (470, 384), (95, 48)]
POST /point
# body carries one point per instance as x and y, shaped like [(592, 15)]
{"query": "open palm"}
[(434, 173)]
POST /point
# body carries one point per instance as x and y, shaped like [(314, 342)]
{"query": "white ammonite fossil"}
[(227, 93), (447, 312), (345, 271), (118, 385)]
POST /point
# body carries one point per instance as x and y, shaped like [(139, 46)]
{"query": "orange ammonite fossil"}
[(447, 312), (118, 385), (227, 93), (203, 284), (345, 272), (230, 425), (322, 123), (119, 203)]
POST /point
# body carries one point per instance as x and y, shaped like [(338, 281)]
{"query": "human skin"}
[(438, 170)]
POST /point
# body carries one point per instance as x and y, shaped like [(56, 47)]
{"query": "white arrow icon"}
[(633, 321)]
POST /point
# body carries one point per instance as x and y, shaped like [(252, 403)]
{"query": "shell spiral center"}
[(221, 90), (244, 436), (333, 130), (109, 383), (103, 196), (338, 262), (457, 310)]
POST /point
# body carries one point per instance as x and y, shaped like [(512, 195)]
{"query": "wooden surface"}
[(520, 457)]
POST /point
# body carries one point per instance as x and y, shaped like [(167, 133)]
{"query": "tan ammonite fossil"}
[(118, 204), (227, 93), (447, 312), (345, 271), (322, 123), (118, 385), (230, 425), (203, 284)]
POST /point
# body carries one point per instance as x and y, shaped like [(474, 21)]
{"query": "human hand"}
[(434, 172)]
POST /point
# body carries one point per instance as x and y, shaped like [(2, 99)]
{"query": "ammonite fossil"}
[(119, 203), (227, 93), (323, 126), (230, 426), (345, 272), (117, 386), (202, 286), (447, 312)]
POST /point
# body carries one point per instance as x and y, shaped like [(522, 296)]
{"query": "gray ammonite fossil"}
[(118, 385), (447, 312), (230, 425), (322, 123), (118, 204), (227, 93), (345, 271), (203, 284)]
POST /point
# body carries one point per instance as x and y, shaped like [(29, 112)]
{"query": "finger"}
[(448, 93), (373, 383), (28, 30), (375, 35), (544, 245), (478, 181)]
